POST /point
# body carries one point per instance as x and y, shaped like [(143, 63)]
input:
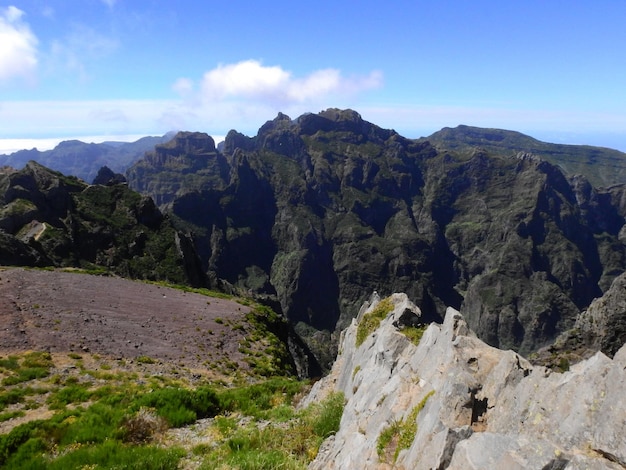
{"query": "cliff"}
[(449, 401), (314, 213)]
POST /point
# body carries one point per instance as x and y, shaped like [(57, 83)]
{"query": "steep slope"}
[(319, 211), (48, 219), (452, 402), (73, 157), (602, 166)]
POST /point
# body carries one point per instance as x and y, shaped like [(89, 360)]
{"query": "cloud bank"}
[(273, 85), (249, 93), (18, 46)]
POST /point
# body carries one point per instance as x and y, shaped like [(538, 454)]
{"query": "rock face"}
[(107, 177), (601, 327), (453, 402), (314, 213)]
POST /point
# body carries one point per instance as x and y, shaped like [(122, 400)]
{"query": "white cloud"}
[(245, 94), (183, 86), (272, 85), (18, 46)]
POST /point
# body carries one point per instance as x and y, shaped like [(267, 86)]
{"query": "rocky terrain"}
[(314, 213), (450, 401)]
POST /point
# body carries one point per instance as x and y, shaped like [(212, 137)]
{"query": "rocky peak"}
[(186, 149), (343, 120), (190, 142), (236, 140), (452, 402), (108, 177)]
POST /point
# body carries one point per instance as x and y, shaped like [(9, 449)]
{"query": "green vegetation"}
[(400, 434), (34, 365), (370, 321), (112, 419), (289, 444), (414, 333)]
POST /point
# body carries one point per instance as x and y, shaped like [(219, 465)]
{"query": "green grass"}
[(113, 421), (292, 445), (179, 406), (399, 435), (370, 321), (34, 365), (414, 333)]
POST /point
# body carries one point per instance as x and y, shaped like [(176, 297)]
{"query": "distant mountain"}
[(320, 211), (76, 158), (601, 166)]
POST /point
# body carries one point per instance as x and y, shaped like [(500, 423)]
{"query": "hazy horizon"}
[(73, 68)]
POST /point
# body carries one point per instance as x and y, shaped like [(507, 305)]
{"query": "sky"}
[(121, 69)]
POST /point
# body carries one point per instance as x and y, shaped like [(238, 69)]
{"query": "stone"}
[(478, 407)]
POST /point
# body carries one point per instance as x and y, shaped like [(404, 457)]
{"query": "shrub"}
[(327, 421), (414, 333), (10, 397), (145, 360), (9, 363), (25, 375), (142, 426), (70, 394), (37, 359), (255, 400), (109, 454), (181, 406)]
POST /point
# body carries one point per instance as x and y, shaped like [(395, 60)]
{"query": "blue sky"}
[(119, 69)]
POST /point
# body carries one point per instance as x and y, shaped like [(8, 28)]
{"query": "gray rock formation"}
[(453, 402)]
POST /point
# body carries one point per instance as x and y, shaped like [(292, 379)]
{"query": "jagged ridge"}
[(459, 404)]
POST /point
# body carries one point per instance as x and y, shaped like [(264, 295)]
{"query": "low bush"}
[(180, 406), (256, 400), (399, 435), (73, 393), (292, 445)]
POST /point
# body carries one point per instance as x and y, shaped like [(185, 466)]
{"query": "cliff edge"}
[(450, 401)]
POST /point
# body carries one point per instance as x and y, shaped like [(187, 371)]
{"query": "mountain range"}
[(313, 214), (83, 160)]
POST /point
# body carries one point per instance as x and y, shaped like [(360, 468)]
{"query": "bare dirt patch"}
[(66, 312)]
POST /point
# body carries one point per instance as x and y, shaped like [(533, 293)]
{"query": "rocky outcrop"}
[(453, 402), (186, 164), (48, 219), (316, 212), (107, 177)]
